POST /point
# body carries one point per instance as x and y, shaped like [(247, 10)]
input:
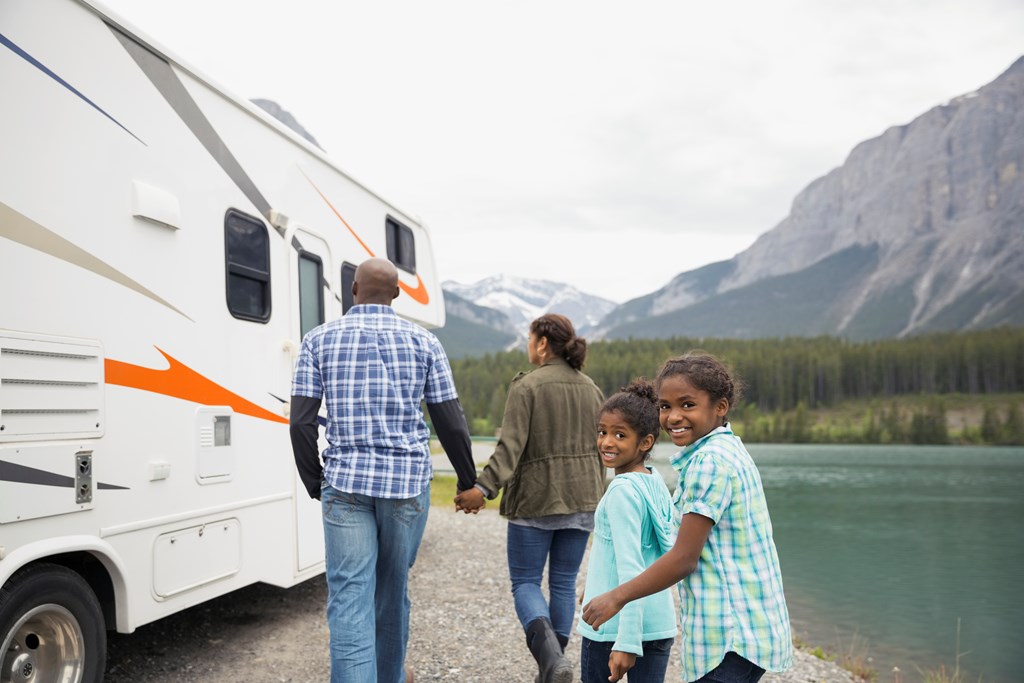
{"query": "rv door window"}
[(401, 245), (247, 257), (348, 276), (311, 292)]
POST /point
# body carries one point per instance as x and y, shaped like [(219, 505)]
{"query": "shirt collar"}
[(371, 309), (680, 458)]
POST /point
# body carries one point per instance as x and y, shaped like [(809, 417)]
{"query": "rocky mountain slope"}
[(921, 229)]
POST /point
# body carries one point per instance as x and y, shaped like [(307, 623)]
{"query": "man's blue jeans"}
[(371, 543), (529, 549)]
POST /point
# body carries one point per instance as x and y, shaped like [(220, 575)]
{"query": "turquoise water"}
[(888, 550)]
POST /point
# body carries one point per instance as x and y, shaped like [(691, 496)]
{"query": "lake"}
[(889, 550)]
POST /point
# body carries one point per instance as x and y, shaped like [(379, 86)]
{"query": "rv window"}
[(401, 245), (348, 276), (311, 292), (247, 256)]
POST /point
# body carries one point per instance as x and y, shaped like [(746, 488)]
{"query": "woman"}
[(547, 463)]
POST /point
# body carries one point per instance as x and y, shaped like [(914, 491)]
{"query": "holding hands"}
[(470, 501)]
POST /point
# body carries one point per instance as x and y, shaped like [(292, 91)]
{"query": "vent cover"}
[(50, 388)]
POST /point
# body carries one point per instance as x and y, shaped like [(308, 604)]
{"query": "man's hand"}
[(470, 501), (619, 663), (601, 609)]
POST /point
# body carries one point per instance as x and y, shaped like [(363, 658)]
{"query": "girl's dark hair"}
[(562, 339), (638, 406), (704, 372)]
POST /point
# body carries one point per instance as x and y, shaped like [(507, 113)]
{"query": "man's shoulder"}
[(325, 329), (416, 331)]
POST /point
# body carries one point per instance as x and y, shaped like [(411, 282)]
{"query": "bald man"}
[(374, 369)]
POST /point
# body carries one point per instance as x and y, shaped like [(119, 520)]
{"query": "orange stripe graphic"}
[(181, 381), (419, 293)]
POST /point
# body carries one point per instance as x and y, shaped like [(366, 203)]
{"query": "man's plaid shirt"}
[(373, 369), (733, 600)]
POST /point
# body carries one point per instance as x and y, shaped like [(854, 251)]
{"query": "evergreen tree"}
[(990, 425), (1013, 427)]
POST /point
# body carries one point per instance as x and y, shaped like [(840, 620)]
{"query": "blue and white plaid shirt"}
[(374, 369)]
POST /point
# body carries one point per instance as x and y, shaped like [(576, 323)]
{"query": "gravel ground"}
[(463, 627)]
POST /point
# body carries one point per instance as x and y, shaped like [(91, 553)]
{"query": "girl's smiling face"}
[(619, 444), (686, 412)]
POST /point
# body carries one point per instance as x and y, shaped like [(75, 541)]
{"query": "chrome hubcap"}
[(44, 646)]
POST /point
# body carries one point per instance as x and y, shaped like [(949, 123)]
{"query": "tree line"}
[(785, 380)]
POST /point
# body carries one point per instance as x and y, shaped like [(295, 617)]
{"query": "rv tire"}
[(51, 627)]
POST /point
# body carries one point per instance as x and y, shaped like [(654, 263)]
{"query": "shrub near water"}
[(980, 419)]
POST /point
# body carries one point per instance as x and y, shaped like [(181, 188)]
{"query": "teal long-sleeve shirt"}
[(632, 528)]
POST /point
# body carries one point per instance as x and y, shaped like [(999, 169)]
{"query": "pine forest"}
[(931, 389)]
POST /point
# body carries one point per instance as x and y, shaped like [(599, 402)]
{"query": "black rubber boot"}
[(543, 643), (563, 642)]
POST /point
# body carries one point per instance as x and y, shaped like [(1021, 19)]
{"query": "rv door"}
[(313, 302)]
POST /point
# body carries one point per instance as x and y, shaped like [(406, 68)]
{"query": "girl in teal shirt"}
[(632, 528)]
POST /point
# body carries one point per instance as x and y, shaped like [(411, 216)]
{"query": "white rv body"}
[(143, 380)]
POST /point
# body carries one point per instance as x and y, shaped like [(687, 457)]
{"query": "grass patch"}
[(853, 658), (442, 491), (943, 675)]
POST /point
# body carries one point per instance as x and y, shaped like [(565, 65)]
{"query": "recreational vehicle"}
[(164, 246)]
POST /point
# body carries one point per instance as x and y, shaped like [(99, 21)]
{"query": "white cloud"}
[(609, 145)]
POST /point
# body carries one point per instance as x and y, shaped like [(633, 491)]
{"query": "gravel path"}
[(463, 627)]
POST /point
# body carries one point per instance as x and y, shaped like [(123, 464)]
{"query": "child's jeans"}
[(650, 668), (733, 669)]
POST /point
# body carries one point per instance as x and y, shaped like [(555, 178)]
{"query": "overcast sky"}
[(609, 145)]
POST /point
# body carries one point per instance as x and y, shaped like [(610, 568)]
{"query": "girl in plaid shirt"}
[(733, 614)]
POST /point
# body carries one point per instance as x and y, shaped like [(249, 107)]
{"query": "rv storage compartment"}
[(195, 556)]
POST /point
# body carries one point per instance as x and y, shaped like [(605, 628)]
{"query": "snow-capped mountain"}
[(523, 300)]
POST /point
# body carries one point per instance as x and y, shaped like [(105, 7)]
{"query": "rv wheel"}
[(51, 628)]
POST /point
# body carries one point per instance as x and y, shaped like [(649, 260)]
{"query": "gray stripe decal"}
[(159, 71), (19, 228), (20, 474), (162, 76)]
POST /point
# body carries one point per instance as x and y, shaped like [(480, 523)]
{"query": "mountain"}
[(285, 117), (472, 330), (523, 300), (495, 313), (921, 229)]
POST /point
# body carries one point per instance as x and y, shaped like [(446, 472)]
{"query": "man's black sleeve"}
[(304, 430), (453, 433)]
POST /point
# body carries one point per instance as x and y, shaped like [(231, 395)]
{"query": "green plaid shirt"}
[(733, 601)]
